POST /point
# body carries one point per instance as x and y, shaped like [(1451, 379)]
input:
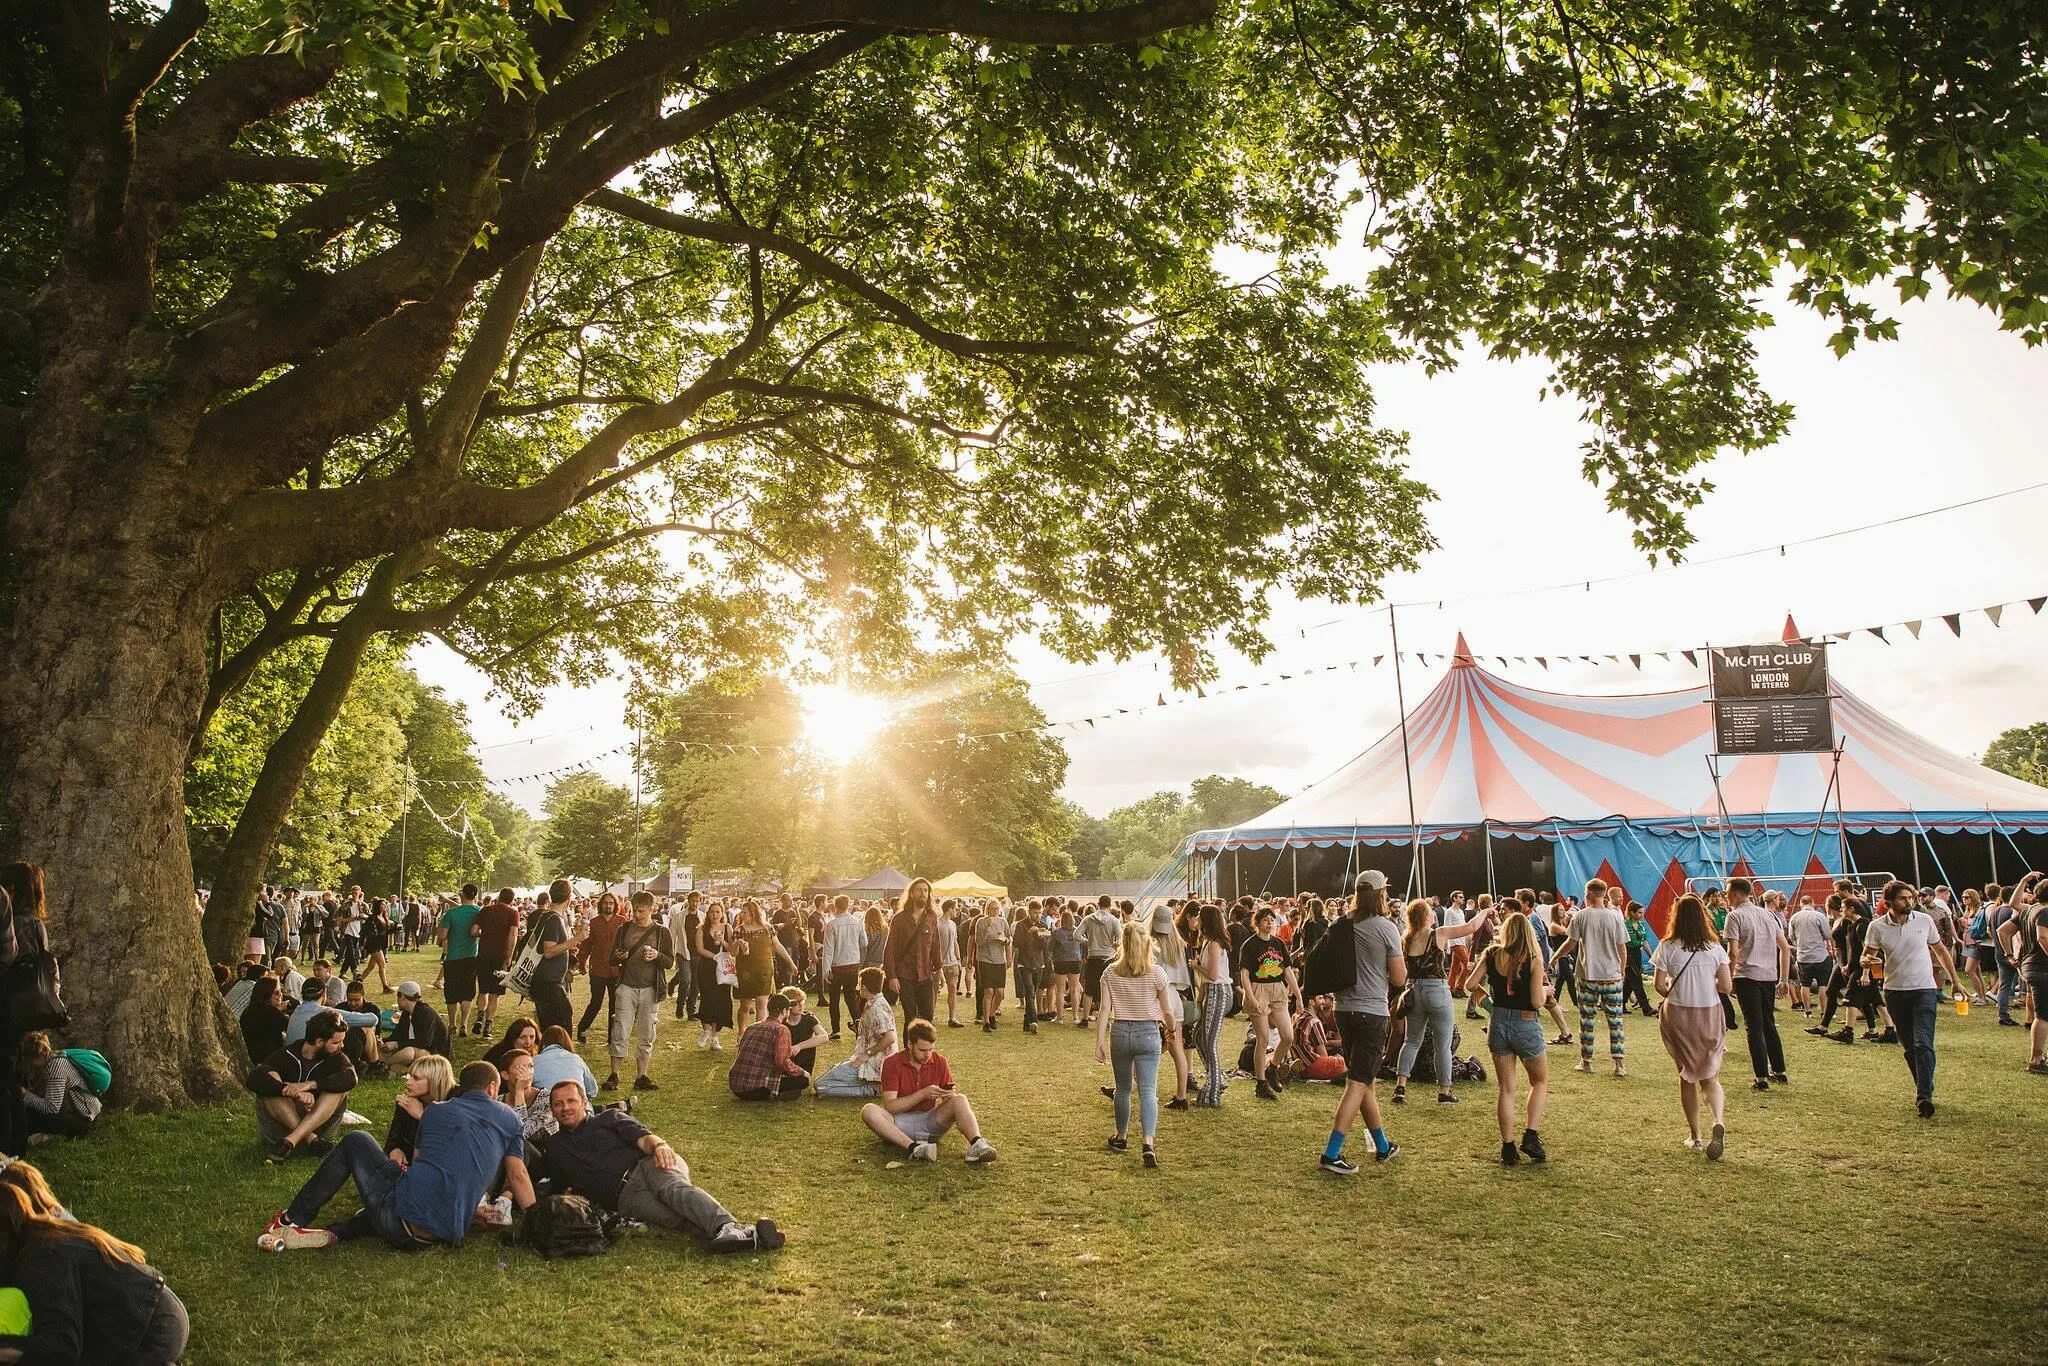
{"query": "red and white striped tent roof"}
[(1484, 750)]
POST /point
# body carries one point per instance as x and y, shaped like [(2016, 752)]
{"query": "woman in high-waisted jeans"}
[(1137, 1003), (1426, 947)]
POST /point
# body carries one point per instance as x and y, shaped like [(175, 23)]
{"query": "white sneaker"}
[(716, 1045), (1584, 1065), (703, 1042), (924, 1152), (981, 1150)]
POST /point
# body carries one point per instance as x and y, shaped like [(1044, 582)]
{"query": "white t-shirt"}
[(1809, 934), (1908, 964), (1757, 929), (949, 943), (1694, 973), (1603, 942)]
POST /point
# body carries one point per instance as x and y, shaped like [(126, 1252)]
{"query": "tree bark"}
[(100, 686), (230, 909)]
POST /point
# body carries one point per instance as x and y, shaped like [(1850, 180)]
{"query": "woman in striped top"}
[(1137, 1006)]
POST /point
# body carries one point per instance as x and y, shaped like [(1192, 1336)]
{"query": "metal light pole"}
[(632, 873), (403, 812)]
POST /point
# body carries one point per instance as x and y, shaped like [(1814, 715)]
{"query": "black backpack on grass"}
[(567, 1226)]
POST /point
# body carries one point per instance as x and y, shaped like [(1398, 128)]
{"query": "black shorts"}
[(1067, 968), (1815, 975), (1365, 1044), (458, 980), (490, 974), (1987, 957), (1091, 976), (990, 976)]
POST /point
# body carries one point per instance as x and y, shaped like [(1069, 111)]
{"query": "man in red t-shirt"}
[(497, 927), (919, 1104)]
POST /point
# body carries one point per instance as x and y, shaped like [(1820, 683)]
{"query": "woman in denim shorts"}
[(1516, 984)]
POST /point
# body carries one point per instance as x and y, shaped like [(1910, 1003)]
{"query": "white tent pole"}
[(1991, 842), (1417, 880), (1487, 828)]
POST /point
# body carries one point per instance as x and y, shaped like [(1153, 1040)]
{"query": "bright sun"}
[(839, 724)]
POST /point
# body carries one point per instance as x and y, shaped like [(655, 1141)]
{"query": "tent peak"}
[(1461, 654), (1792, 631)]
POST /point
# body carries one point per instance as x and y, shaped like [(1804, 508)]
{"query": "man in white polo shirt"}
[(1909, 946)]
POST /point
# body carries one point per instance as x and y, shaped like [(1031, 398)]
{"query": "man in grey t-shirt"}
[(1363, 1020), (1599, 934)]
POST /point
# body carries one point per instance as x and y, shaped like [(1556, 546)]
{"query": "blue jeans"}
[(1913, 1013), (2008, 985), (1431, 1016), (1134, 1058), (356, 1158)]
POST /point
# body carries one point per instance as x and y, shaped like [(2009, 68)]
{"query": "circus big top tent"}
[(1515, 786)]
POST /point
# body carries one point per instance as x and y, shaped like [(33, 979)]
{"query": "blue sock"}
[(1379, 1141), (1334, 1149)]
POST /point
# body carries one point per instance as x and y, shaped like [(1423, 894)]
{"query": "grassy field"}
[(1839, 1227)]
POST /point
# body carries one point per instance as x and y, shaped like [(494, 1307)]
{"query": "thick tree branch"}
[(454, 417), (818, 263), (146, 65), (865, 403)]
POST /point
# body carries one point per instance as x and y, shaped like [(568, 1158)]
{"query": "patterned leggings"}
[(1215, 1005), (1603, 997)]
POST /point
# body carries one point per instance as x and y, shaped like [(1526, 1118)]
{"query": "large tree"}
[(2021, 751), (590, 830), (350, 320)]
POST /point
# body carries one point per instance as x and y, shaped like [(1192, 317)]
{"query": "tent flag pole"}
[(1991, 842), (1814, 843), (1407, 768), (1916, 852), (1487, 827), (1293, 865)]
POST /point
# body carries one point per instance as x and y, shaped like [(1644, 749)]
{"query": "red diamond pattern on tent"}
[(1669, 889)]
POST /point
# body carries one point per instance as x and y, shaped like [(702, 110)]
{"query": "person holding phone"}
[(918, 1103)]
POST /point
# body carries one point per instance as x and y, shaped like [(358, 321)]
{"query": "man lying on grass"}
[(614, 1161)]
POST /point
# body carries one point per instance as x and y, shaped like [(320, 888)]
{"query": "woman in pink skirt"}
[(1692, 973)]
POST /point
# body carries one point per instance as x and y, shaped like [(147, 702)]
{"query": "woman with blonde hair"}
[(1692, 974), (428, 1081), (1515, 983), (1137, 1007), (94, 1297), (757, 948)]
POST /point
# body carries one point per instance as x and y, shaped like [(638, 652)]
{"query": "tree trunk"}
[(231, 908), (100, 686)]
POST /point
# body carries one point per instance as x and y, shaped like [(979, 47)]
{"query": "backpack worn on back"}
[(1332, 965), (92, 1065), (31, 988), (566, 1226)]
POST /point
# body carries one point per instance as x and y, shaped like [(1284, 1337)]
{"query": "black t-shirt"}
[(1264, 959), (1516, 995), (595, 1158), (551, 930)]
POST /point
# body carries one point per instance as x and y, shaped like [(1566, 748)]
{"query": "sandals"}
[(1118, 1144), (1400, 1093)]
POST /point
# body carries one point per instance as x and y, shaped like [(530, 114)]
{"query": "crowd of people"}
[(1354, 990)]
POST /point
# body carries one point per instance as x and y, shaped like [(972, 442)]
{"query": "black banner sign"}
[(1790, 669)]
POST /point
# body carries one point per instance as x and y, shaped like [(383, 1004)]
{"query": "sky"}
[(1955, 410)]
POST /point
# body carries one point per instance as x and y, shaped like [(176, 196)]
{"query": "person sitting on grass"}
[(558, 1061), (464, 1143), (289, 977), (265, 1018), (93, 1297), (418, 1031), (763, 1067), (918, 1103), (302, 1090), (528, 1101), (806, 1030), (614, 1161), (53, 1091), (429, 1079), (522, 1035), (860, 1076), (1314, 1027), (314, 1001), (333, 990)]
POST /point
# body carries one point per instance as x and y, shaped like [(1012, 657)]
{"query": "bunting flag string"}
[(1993, 613)]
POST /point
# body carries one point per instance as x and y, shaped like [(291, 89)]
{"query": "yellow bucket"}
[(1962, 1005)]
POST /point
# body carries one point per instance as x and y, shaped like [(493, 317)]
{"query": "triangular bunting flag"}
[(1955, 622), (2035, 603), (1162, 700), (1636, 660), (1691, 657), (1376, 660), (1914, 627), (1664, 655), (1544, 662), (1091, 723), (1199, 692), (1877, 631), (1994, 613)]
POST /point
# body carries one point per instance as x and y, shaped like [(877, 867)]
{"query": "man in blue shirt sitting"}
[(463, 1142)]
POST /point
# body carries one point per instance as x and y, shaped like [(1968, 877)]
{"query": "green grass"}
[(1840, 1226)]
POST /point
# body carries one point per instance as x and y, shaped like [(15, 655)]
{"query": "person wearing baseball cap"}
[(1364, 1017), (417, 1031)]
